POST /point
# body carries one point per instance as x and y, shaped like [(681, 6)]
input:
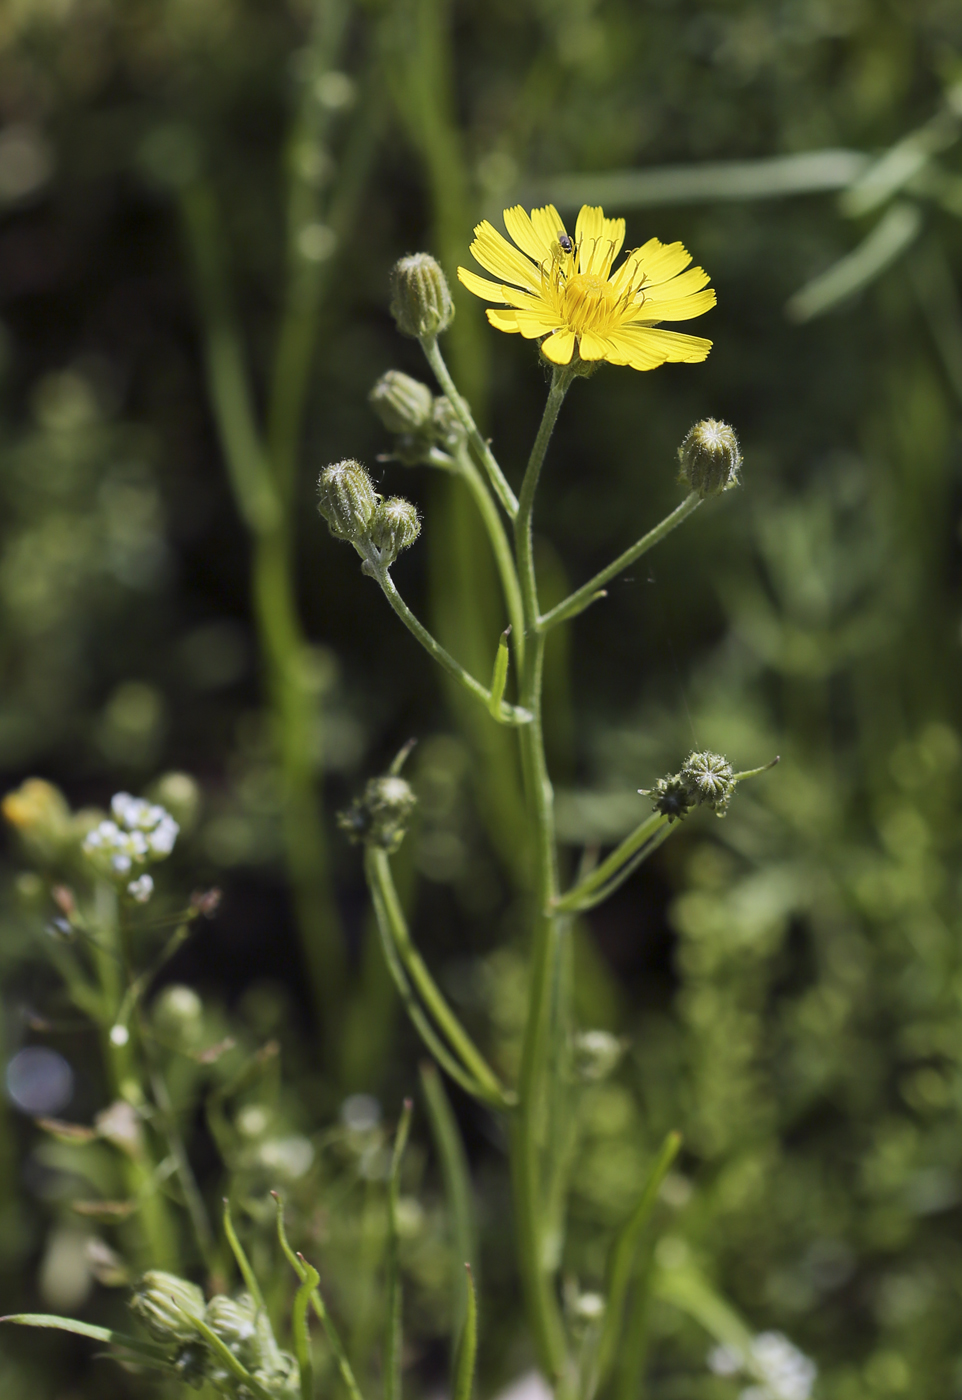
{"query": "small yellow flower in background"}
[(563, 289)]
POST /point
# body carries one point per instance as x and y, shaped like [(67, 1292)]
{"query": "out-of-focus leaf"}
[(878, 250), (904, 160), (809, 172)]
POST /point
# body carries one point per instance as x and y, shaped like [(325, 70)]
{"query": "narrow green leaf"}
[(890, 237), (393, 1290), (301, 1331), (468, 1348), (300, 1266), (808, 172), (622, 1256), (243, 1263), (457, 1188), (147, 1350), (500, 677)]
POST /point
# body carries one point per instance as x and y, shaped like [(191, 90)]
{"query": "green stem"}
[(583, 597), (281, 637), (526, 1157), (501, 549), (509, 714), (488, 460), (377, 866), (393, 1335), (653, 829)]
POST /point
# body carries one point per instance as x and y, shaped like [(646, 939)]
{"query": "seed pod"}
[(395, 526), (165, 1304), (709, 458), (710, 780), (403, 404), (346, 499), (420, 301)]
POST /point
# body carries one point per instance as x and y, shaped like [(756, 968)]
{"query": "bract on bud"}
[(710, 458), (382, 815), (403, 404), (165, 1305), (420, 298), (394, 526), (346, 499), (710, 780)]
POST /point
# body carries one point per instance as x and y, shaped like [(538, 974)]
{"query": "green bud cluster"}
[(709, 458), (355, 512), (705, 779), (420, 297), (382, 814), (421, 423), (170, 1306)]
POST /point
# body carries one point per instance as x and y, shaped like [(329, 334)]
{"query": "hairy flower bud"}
[(165, 1304), (346, 499), (672, 797), (381, 816), (710, 780), (420, 299), (403, 404), (395, 526), (709, 458), (234, 1320)]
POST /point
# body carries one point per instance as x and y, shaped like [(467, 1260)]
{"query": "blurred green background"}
[(200, 203)]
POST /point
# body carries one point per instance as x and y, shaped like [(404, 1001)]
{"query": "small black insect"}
[(565, 242)]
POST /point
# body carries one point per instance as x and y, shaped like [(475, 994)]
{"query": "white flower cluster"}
[(785, 1372), (140, 832)]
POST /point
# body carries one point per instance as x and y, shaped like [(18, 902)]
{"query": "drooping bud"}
[(710, 780), (709, 458), (420, 298), (403, 404), (395, 526), (346, 499), (381, 816), (165, 1305)]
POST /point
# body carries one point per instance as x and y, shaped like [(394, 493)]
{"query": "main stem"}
[(542, 1302)]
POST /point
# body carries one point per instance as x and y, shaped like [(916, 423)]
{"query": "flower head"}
[(562, 291)]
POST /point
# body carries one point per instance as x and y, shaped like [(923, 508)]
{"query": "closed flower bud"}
[(346, 499), (235, 1322), (447, 426), (382, 815), (165, 1304), (421, 301), (403, 404), (596, 1054), (710, 780), (38, 811), (710, 458), (395, 526)]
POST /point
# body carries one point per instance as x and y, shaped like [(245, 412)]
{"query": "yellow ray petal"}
[(681, 286), (532, 324), (547, 224), (652, 264), (591, 223), (503, 320), (480, 286), (497, 255), (643, 347), (592, 346), (521, 229), (559, 347), (678, 309)]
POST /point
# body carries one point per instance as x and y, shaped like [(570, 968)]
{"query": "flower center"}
[(588, 302)]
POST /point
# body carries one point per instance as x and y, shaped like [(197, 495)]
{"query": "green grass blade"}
[(243, 1263), (622, 1257), (468, 1348), (393, 1290), (457, 1187)]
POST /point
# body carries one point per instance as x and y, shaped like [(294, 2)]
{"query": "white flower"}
[(115, 851), (781, 1370), (141, 889)]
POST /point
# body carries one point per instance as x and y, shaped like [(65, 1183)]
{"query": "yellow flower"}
[(563, 289)]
